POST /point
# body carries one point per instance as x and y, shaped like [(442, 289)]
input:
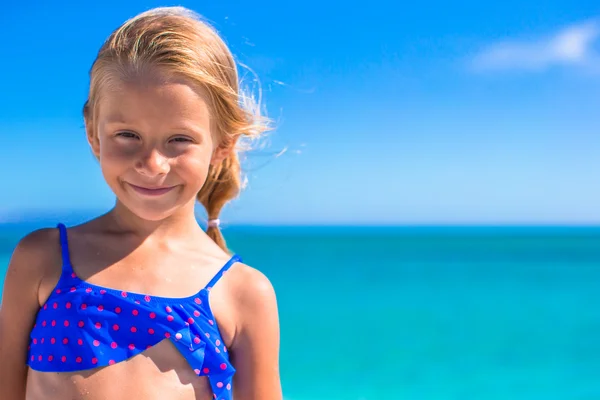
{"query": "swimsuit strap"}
[(64, 248), (219, 274)]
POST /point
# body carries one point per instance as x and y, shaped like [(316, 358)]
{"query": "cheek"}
[(113, 159), (193, 168)]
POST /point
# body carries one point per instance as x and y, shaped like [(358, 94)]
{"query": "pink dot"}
[(53, 323), (118, 310), (152, 315), (113, 345), (115, 327), (223, 366), (147, 347), (151, 331), (136, 301), (207, 334), (68, 305), (190, 320), (147, 298), (65, 340), (52, 340), (34, 341), (100, 307), (217, 350), (102, 291), (197, 371), (94, 360), (98, 325), (73, 289), (210, 321), (135, 312), (50, 357), (57, 291), (124, 294), (197, 340), (78, 359), (96, 343), (131, 347), (206, 370), (43, 323), (111, 362), (88, 290), (196, 313), (73, 275), (83, 306), (42, 341), (219, 384), (63, 359), (178, 336), (66, 323), (228, 386), (80, 342), (218, 342), (32, 358), (225, 349), (133, 329), (80, 324), (198, 301), (167, 335), (40, 358), (45, 306), (55, 305), (170, 318), (169, 309)]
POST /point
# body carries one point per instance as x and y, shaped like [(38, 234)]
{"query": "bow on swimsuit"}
[(83, 326)]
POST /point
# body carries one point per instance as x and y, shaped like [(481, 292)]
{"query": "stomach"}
[(159, 372)]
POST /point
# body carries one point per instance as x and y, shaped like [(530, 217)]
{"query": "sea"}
[(427, 313)]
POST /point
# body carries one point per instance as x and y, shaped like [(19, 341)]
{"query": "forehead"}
[(153, 101)]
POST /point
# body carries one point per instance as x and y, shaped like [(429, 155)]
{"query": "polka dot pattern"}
[(84, 326)]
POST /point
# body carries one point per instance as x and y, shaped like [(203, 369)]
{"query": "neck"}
[(180, 224)]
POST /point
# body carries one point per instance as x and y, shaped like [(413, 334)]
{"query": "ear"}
[(92, 137), (219, 154)]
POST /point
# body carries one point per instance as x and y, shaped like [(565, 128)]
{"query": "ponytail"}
[(222, 185)]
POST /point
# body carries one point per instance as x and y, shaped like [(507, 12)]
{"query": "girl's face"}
[(155, 142)]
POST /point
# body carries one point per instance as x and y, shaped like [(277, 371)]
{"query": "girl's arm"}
[(255, 347), (19, 307)]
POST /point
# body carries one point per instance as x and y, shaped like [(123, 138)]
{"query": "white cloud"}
[(571, 46)]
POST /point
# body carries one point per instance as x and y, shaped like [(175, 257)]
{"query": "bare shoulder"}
[(35, 254), (252, 289)]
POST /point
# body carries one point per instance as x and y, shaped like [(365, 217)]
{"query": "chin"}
[(151, 212)]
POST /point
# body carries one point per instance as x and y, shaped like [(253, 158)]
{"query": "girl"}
[(141, 303)]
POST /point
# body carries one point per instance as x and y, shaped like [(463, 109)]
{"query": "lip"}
[(157, 191)]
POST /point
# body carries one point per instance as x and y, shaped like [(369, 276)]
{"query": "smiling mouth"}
[(151, 191)]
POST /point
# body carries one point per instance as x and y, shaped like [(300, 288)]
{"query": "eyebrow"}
[(184, 127), (115, 118)]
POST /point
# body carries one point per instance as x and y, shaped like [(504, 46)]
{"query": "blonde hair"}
[(178, 41)]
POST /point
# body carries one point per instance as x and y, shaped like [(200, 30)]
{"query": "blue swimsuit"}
[(83, 326)]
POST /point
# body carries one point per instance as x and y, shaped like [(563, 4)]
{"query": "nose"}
[(153, 164)]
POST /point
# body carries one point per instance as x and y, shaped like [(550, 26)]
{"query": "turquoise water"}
[(429, 313)]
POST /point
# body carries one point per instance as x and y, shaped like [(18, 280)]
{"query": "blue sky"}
[(420, 113)]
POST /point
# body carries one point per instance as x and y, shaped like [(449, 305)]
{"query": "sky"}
[(387, 113)]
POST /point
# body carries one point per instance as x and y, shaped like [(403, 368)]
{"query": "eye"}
[(181, 139), (127, 135)]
